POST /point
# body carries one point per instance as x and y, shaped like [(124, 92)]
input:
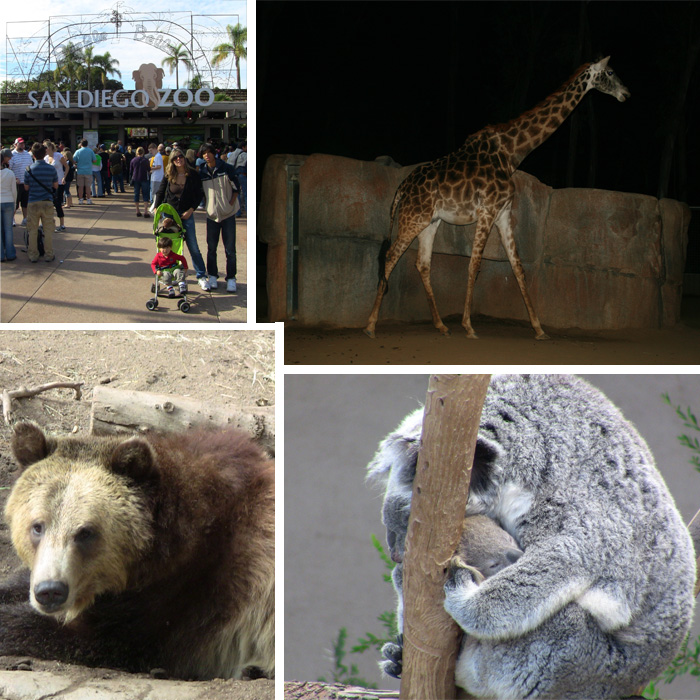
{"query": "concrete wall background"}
[(593, 259), (333, 423)]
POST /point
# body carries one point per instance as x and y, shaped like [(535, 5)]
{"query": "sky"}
[(130, 54), (412, 80)]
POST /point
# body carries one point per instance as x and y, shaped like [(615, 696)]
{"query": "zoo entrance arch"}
[(29, 57)]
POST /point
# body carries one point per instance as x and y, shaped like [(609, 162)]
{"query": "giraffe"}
[(475, 184)]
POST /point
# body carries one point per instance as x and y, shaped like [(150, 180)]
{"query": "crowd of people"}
[(38, 182)]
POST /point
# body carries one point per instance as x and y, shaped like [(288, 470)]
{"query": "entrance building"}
[(61, 117)]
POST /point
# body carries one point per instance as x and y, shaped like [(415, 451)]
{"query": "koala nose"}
[(51, 594)]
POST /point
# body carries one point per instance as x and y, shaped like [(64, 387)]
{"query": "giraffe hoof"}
[(542, 336), (444, 330), (472, 335), (368, 333)]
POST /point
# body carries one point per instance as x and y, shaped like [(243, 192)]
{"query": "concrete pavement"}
[(102, 272)]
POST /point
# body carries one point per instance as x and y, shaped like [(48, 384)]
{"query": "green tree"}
[(105, 66), (235, 48), (69, 68), (195, 83), (177, 55)]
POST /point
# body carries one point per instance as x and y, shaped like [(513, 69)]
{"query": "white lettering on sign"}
[(120, 99)]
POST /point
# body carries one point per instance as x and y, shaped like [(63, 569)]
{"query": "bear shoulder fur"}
[(143, 552)]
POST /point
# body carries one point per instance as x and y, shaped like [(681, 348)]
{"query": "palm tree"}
[(69, 65), (237, 37), (105, 65), (195, 83), (89, 64), (178, 54)]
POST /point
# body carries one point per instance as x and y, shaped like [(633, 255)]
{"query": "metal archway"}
[(34, 55)]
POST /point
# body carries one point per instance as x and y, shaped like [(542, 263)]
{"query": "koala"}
[(602, 596), (483, 546)]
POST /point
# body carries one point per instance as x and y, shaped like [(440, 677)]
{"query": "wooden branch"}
[(694, 528), (294, 690), (440, 490), (23, 392), (122, 410)]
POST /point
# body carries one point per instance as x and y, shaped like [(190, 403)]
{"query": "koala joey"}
[(602, 596), (484, 547)]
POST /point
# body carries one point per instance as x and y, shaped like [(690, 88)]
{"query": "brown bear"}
[(143, 552)]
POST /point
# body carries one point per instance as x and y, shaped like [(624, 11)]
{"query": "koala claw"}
[(461, 574), (393, 655)]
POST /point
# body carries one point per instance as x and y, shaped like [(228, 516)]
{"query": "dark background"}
[(414, 79)]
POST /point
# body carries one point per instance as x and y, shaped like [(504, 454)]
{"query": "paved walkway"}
[(102, 273)]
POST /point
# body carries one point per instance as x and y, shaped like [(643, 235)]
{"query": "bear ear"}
[(134, 458), (30, 444)]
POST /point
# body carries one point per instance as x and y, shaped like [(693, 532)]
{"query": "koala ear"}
[(487, 454), (30, 444), (512, 554), (134, 458), (399, 450)]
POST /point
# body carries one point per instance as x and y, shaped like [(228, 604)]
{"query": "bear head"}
[(79, 515)]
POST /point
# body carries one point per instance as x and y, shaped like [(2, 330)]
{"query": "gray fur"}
[(602, 598)]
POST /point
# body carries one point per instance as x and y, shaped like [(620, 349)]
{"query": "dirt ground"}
[(499, 343), (233, 368)]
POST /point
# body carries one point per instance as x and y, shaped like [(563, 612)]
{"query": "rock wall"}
[(593, 259)]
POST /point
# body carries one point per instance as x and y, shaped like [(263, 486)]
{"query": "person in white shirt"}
[(21, 160), (8, 202), (157, 170), (58, 160)]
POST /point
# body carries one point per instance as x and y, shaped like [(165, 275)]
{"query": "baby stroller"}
[(176, 234)]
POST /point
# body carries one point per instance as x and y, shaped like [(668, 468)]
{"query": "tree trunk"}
[(440, 489), (121, 410)]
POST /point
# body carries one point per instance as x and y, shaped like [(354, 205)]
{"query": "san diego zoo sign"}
[(82, 99)]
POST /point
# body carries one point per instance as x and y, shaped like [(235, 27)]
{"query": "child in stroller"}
[(168, 265)]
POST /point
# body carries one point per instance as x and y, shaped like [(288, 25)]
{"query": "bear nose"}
[(51, 594)]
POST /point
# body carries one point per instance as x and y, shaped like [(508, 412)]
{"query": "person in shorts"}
[(83, 158)]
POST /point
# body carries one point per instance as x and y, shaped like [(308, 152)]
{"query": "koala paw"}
[(461, 575), (393, 655)]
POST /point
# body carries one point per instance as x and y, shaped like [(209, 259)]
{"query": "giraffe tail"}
[(386, 244)]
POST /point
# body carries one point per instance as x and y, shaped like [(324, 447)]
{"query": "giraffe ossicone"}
[(474, 184)]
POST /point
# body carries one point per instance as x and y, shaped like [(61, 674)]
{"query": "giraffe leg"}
[(506, 231), (483, 226), (393, 255), (425, 252)]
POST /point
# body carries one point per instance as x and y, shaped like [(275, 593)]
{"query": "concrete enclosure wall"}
[(593, 259)]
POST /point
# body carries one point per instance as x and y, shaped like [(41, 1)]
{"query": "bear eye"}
[(36, 532), (85, 534)]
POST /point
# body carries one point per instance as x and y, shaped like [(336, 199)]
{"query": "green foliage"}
[(688, 659), (349, 675), (690, 422)]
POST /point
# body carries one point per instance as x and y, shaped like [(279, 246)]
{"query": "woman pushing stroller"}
[(182, 189)]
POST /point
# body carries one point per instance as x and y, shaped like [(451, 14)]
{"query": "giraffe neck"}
[(525, 133)]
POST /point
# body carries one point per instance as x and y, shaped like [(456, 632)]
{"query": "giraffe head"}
[(603, 78)]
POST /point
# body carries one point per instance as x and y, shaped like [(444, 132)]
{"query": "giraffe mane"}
[(507, 125)]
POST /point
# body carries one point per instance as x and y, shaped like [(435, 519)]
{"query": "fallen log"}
[(125, 411)]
